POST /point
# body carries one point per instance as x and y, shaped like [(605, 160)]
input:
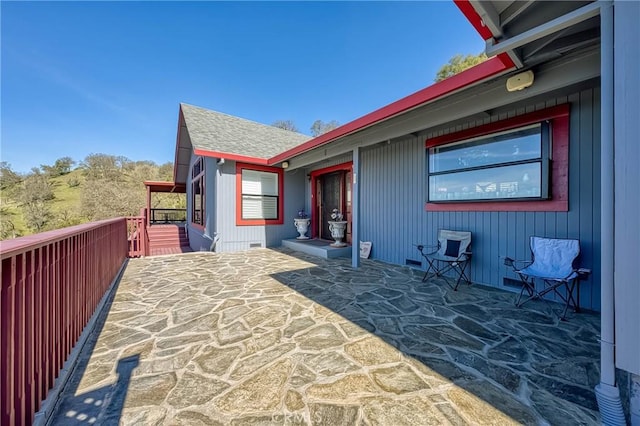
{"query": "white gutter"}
[(607, 394)]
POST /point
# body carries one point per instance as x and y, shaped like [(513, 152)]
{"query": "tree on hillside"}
[(286, 125), (114, 186), (319, 127), (9, 180), (104, 166), (62, 166), (458, 64), (7, 227), (35, 199)]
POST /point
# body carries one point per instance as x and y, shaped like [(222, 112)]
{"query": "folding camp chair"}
[(554, 262), (452, 253)]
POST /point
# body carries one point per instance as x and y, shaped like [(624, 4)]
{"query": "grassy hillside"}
[(67, 191)]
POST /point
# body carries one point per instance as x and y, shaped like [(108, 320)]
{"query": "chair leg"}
[(431, 266), (570, 300), (461, 266), (530, 287)]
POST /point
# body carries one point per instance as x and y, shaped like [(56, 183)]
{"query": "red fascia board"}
[(472, 16), (488, 68), (230, 156), (159, 183), (165, 186)]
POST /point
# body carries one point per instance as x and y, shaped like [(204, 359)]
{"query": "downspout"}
[(607, 394)]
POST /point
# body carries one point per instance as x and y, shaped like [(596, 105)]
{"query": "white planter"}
[(302, 226), (337, 229)]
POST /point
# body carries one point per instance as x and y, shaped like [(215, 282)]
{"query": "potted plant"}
[(302, 224), (337, 227)]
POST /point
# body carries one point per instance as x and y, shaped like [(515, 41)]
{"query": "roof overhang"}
[(183, 151), (490, 68), (531, 32), (231, 156), (171, 187)]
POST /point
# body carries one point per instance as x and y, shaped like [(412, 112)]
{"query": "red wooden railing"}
[(137, 235), (51, 285)]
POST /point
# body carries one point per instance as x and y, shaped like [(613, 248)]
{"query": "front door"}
[(333, 192)]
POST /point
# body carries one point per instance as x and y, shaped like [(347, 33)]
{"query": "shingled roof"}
[(217, 132)]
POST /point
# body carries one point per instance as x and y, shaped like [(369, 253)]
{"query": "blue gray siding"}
[(236, 238), (393, 194)]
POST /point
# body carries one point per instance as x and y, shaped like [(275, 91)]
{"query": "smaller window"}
[(259, 195), (197, 192), (509, 165)]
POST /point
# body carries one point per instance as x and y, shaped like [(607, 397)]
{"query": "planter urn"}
[(338, 229), (302, 226)]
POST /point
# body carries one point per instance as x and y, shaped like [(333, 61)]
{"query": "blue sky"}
[(107, 77)]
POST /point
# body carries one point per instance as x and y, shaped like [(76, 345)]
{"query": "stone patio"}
[(275, 337)]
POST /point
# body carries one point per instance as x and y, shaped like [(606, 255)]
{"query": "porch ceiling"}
[(532, 32), (269, 334)]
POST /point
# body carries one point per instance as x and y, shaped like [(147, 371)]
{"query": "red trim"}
[(559, 117), (248, 222), (230, 156), (498, 126), (489, 68), (314, 207), (474, 19), (178, 188)]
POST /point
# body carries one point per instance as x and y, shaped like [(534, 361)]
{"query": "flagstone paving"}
[(275, 337)]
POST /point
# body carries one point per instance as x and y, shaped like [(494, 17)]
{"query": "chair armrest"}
[(422, 247), (463, 254), (583, 273), (513, 263)]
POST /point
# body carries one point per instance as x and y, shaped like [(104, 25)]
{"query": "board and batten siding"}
[(394, 191), (237, 238)]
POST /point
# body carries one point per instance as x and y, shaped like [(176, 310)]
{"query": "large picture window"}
[(517, 164), (510, 165), (197, 192), (260, 195)]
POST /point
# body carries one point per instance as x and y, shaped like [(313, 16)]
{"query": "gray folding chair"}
[(554, 262), (452, 253)]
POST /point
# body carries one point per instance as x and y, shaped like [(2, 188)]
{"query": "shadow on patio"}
[(223, 339)]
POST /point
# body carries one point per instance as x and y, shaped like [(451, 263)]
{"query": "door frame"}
[(314, 175)]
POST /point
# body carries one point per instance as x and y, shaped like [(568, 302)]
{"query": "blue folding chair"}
[(554, 261)]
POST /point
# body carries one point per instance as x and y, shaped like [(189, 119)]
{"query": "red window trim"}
[(348, 166), (559, 202), (199, 176), (252, 222)]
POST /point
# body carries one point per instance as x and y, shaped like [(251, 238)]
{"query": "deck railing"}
[(51, 285), (168, 216), (137, 236)]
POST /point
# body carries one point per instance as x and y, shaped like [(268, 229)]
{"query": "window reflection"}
[(520, 145), (508, 165)]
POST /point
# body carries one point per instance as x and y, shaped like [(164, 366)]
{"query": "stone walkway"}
[(273, 337)]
